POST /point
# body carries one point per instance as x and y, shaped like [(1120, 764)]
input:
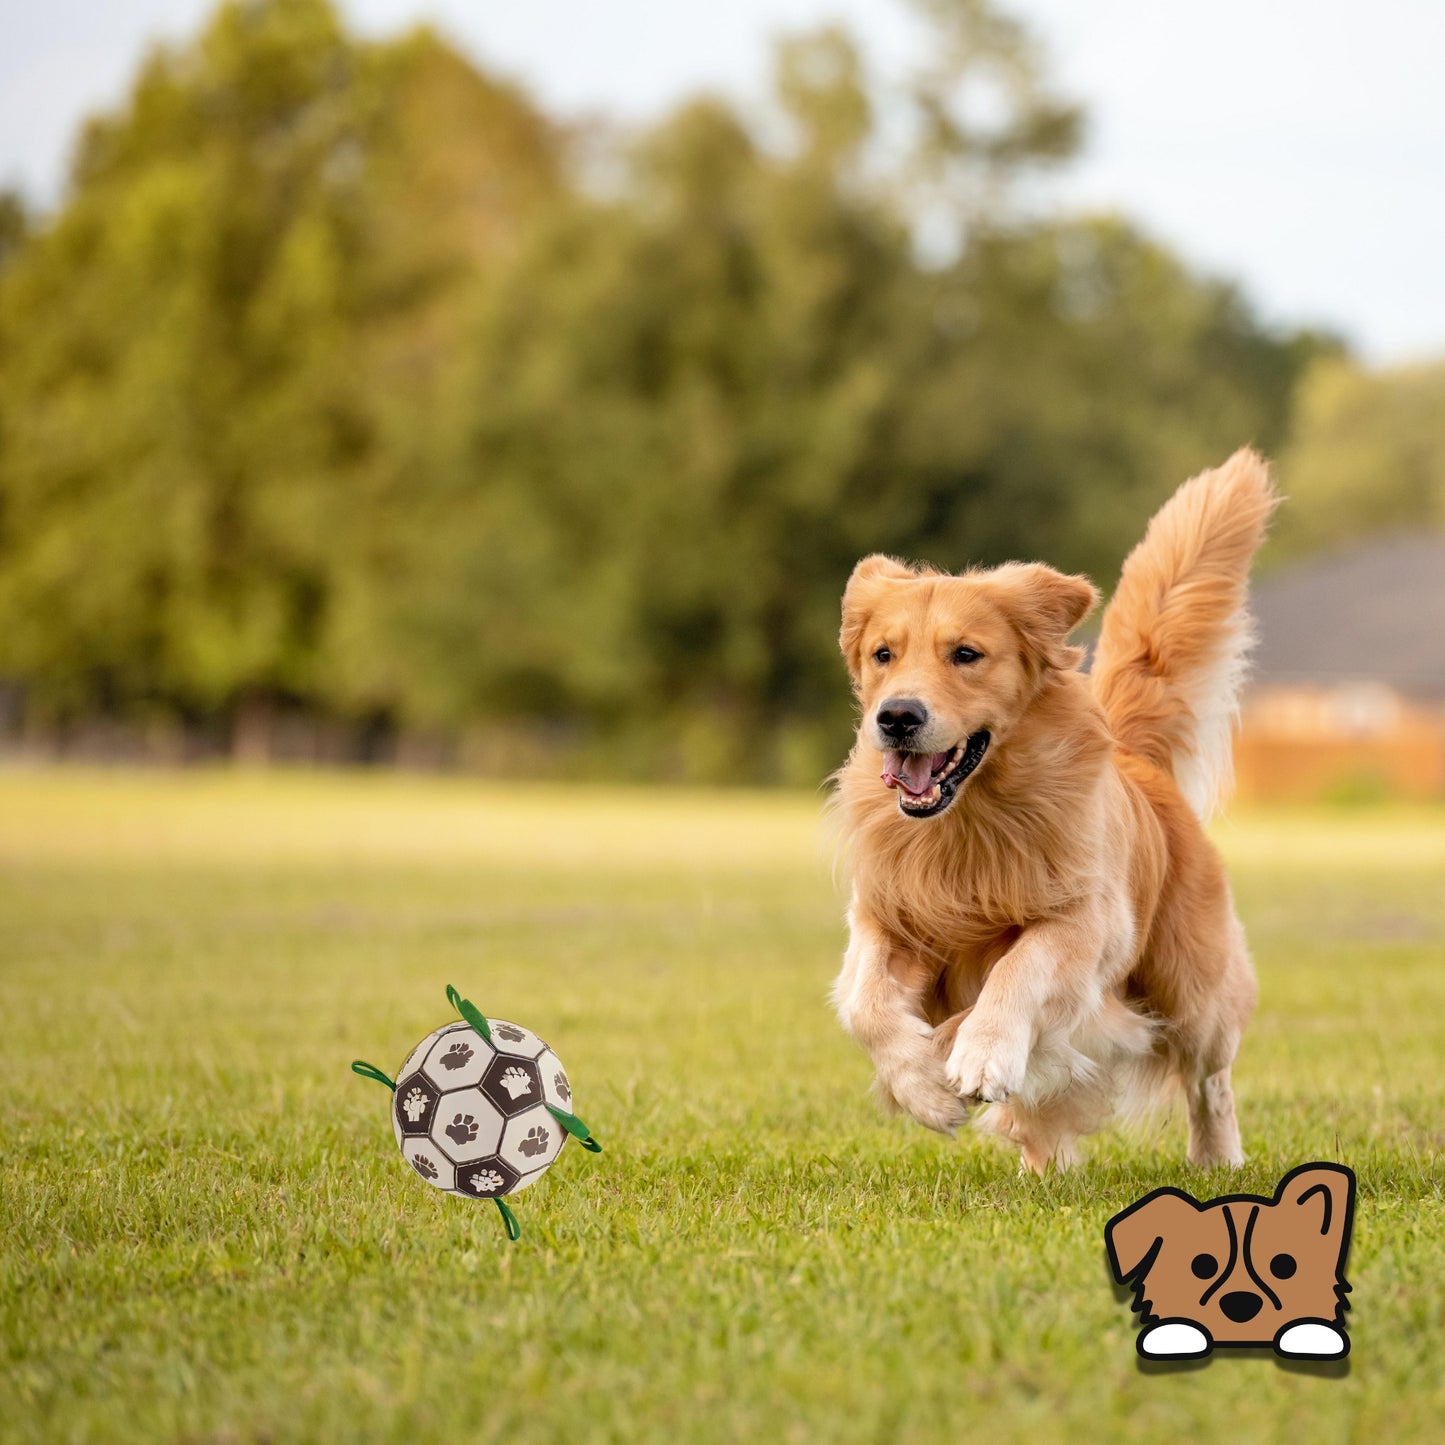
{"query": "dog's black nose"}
[(899, 716), (1240, 1305)]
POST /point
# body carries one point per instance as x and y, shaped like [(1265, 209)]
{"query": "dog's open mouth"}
[(928, 782)]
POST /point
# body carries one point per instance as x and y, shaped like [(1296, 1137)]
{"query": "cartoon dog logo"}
[(1241, 1269)]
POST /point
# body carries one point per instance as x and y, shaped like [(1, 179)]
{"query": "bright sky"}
[(1297, 146)]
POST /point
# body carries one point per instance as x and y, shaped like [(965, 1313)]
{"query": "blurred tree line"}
[(348, 386), (1367, 456)]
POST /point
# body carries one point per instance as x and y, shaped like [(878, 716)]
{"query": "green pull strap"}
[(471, 1013), (370, 1071), (575, 1127), (514, 1230)]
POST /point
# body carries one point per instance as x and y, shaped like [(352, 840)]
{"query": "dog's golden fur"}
[(1058, 942)]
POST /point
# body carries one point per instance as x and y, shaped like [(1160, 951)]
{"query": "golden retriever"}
[(1038, 922)]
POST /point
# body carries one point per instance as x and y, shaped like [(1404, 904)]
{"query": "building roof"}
[(1374, 612)]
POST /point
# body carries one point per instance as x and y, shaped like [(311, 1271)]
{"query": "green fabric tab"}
[(514, 1230), (470, 1012), (370, 1071), (575, 1127)]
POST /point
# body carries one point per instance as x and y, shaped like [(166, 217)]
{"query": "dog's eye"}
[(882, 656), (965, 655), (1282, 1266), (1204, 1265)]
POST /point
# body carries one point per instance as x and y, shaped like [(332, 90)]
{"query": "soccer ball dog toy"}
[(481, 1108)]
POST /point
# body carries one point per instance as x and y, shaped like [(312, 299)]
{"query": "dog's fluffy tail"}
[(1172, 650)]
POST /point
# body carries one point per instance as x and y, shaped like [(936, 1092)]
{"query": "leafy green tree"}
[(1367, 455), (14, 225), (206, 353)]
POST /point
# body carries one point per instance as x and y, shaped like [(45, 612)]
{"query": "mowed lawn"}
[(209, 1235)]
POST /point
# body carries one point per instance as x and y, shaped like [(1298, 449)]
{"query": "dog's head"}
[(945, 666), (1244, 1267)]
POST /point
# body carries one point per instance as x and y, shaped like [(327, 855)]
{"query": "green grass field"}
[(209, 1234)]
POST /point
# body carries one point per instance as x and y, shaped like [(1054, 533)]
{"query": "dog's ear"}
[(1133, 1236), (1324, 1195), (859, 599), (1046, 606)]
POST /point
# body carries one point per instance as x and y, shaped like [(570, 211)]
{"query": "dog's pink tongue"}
[(913, 770)]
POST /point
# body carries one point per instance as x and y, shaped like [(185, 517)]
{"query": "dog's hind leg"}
[(1213, 1127), (1208, 1094), (1205, 1039)]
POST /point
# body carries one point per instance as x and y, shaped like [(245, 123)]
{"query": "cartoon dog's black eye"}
[(1282, 1266), (882, 655), (1204, 1265), (966, 654)]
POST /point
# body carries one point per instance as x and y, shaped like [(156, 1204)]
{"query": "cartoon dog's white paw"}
[(1311, 1340), (1174, 1340), (987, 1062)]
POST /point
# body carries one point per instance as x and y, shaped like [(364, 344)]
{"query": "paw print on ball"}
[(466, 1127), (488, 1179), (457, 1056), (555, 1088), (431, 1163), (463, 1129), (414, 1104), (457, 1060), (513, 1039), (512, 1084), (534, 1142)]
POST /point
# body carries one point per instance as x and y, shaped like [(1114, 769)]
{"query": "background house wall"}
[(1348, 692)]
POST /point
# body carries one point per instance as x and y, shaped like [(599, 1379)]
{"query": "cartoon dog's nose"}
[(1240, 1305), (899, 716)]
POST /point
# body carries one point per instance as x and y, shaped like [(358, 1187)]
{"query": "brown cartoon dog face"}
[(1243, 1267)]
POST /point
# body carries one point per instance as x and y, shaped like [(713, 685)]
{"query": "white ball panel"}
[(430, 1163), (466, 1126), (556, 1087), (458, 1059), (532, 1140), (510, 1038)]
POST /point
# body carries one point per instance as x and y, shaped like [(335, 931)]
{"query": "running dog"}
[(1038, 923)]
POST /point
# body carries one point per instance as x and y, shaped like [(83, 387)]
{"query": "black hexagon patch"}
[(487, 1179), (415, 1102), (512, 1084)]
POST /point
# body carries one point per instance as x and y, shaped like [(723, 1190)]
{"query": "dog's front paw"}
[(913, 1082), (987, 1062)]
